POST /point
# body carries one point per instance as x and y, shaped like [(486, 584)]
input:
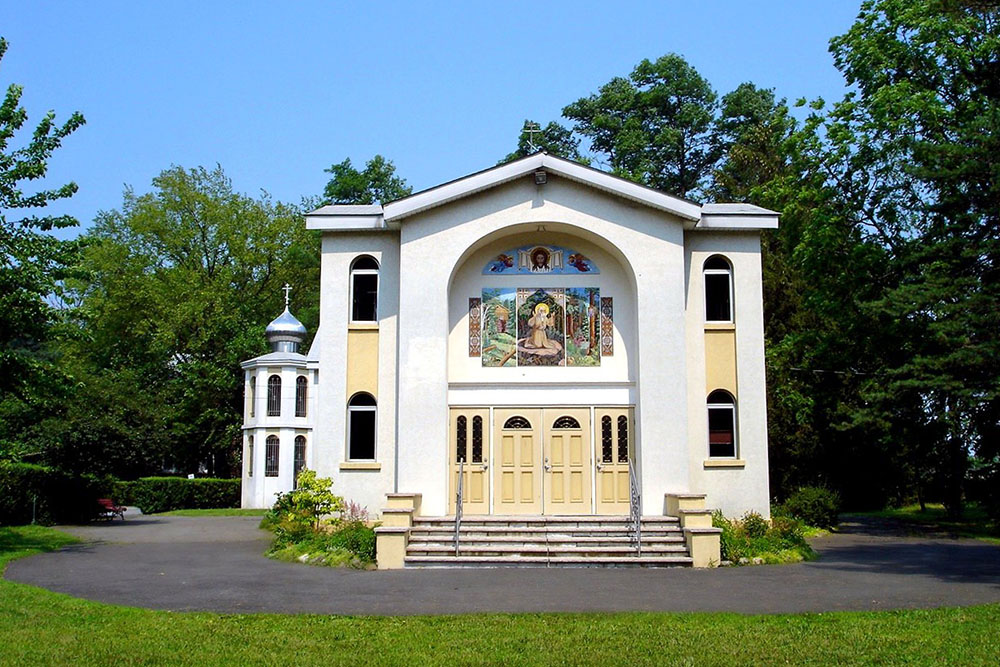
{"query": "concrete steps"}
[(509, 541)]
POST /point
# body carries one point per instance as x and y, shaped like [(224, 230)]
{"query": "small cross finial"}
[(286, 289), (531, 129)]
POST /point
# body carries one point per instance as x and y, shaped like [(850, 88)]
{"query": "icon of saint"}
[(541, 320)]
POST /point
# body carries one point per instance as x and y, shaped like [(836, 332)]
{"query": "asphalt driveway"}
[(216, 564)]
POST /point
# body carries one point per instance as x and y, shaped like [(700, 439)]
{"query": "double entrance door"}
[(560, 461)]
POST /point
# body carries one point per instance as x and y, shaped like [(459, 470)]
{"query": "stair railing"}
[(458, 502), (634, 510)]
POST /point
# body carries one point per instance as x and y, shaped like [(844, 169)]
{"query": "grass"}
[(974, 522), (214, 512), (41, 627)]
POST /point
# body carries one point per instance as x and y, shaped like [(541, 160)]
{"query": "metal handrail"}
[(458, 501), (635, 509)]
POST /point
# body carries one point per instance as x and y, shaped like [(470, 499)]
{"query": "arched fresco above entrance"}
[(553, 324)]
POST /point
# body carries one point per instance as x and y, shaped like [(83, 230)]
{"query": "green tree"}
[(378, 183), (33, 263), (749, 135), (181, 282), (653, 127), (927, 109), (554, 139)]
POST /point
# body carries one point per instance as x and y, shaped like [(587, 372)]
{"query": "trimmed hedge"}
[(815, 505), (58, 497), (164, 494)]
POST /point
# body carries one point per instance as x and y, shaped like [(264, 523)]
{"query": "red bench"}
[(108, 510)]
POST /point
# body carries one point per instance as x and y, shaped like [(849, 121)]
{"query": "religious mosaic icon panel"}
[(540, 259), (540, 327)]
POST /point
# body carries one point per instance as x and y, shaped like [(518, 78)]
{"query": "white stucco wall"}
[(435, 243), (734, 490), (366, 487)]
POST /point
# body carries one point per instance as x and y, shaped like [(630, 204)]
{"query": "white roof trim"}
[(464, 187), (736, 217), (695, 216)]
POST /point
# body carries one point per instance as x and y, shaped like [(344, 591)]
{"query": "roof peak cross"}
[(286, 289)]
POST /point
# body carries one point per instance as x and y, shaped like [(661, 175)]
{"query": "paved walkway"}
[(215, 564)]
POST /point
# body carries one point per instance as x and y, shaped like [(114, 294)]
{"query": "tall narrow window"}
[(477, 439), (300, 459), (622, 439), (271, 456), (253, 395), (721, 425), (461, 439), (364, 290), (249, 456), (274, 396), (301, 389), (606, 448), (361, 428), (718, 290)]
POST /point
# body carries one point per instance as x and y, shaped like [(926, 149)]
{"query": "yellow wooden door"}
[(566, 460), (613, 444), (468, 442), (517, 461)]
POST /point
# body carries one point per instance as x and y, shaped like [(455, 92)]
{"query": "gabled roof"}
[(346, 217)]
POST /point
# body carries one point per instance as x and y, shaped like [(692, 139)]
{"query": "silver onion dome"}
[(285, 333)]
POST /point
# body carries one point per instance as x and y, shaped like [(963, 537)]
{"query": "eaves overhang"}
[(347, 218)]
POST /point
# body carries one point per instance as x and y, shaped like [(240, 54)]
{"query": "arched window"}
[(271, 456), (718, 290), (361, 427), (249, 456), (721, 425), (253, 395), (300, 459), (517, 422), (301, 389), (364, 290), (274, 396)]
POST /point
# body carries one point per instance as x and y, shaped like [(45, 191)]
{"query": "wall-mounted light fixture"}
[(541, 177)]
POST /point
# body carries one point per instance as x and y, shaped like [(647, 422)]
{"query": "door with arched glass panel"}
[(566, 460), (469, 442), (517, 461), (613, 447)]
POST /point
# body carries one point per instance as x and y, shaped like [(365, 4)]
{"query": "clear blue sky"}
[(276, 92)]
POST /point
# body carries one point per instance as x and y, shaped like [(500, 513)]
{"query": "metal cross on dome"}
[(286, 289)]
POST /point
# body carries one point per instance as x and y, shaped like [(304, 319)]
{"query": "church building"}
[(544, 340)]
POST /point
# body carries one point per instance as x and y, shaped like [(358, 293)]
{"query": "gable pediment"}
[(339, 217)]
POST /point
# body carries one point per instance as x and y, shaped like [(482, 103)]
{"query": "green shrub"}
[(356, 537), (733, 543), (298, 514), (815, 505), (57, 496), (781, 541), (754, 525), (163, 494)]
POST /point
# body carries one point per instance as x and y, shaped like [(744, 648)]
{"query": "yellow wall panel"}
[(720, 360), (362, 361)]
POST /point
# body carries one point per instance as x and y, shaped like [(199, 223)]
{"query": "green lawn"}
[(974, 521), (213, 512), (40, 627)]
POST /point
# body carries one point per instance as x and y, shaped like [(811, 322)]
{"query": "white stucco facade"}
[(648, 250)]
